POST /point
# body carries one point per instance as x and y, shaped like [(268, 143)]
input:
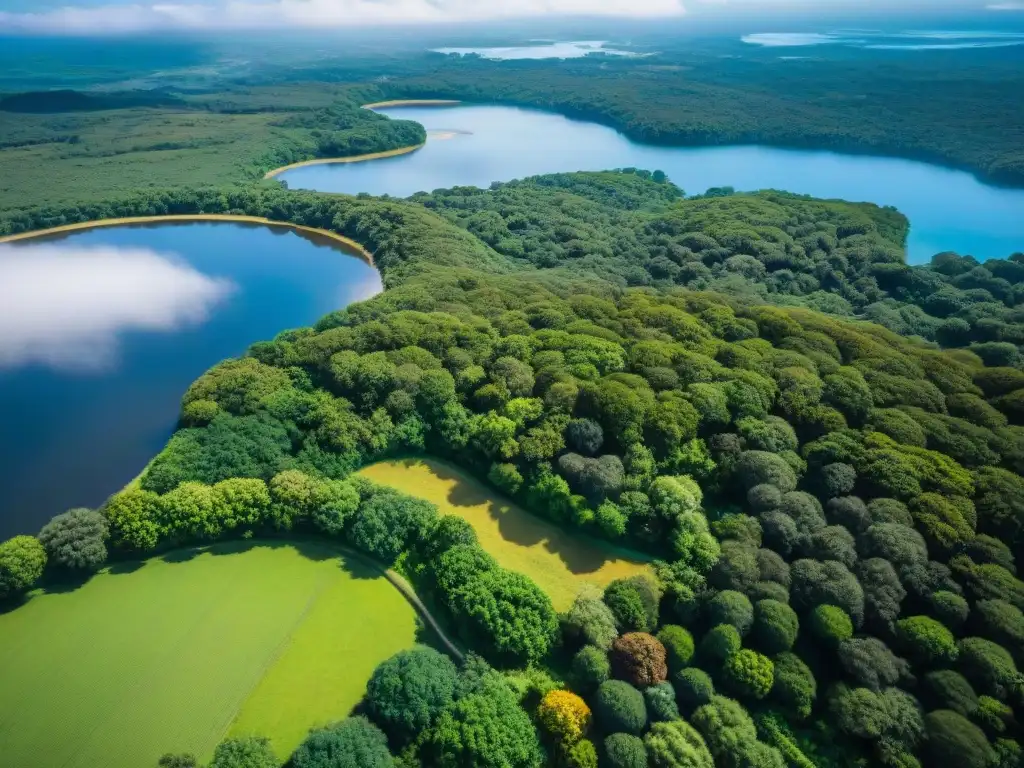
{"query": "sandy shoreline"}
[(352, 159), (84, 225), (412, 103)]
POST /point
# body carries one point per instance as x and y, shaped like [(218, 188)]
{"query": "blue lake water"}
[(949, 210), (102, 331)]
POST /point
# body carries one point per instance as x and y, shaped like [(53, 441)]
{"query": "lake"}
[(949, 210), (102, 331)]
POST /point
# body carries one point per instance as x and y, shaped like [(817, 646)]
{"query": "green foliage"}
[(677, 745), (22, 559), (719, 644), (589, 620), (795, 687), (734, 608), (634, 603), (870, 663), (954, 740), (624, 750), (582, 754), (76, 540), (408, 691), (590, 668), (775, 626), (247, 752), (661, 702), (352, 743), (731, 736), (679, 647), (619, 707), (388, 522), (827, 583), (989, 667), (131, 514), (889, 717), (486, 727), (749, 674), (694, 688), (927, 640), (946, 689)]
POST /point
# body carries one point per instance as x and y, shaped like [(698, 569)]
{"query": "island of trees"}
[(822, 447)]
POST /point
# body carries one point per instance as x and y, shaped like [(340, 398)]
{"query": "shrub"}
[(949, 608), (486, 727), (76, 540), (623, 750), (634, 603), (749, 673), (731, 736), (734, 608), (590, 668), (677, 745), (871, 664), (678, 644), (946, 689), (388, 522), (407, 692), (831, 624), (619, 707), (988, 666), (22, 560), (759, 468), (694, 688), (927, 640), (1002, 622), (954, 740), (764, 498), (826, 583), (661, 702), (582, 754), (993, 715), (718, 644), (564, 716), (352, 743), (639, 658), (775, 626), (590, 621), (795, 687), (249, 752), (131, 515)]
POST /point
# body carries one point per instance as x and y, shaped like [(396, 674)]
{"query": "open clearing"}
[(559, 560), (175, 653)]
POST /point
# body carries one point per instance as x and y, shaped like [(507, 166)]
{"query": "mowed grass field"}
[(176, 653), (559, 560)]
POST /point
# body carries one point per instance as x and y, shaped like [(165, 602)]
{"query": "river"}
[(949, 210), (102, 331)]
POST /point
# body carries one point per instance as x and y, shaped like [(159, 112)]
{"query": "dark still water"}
[(102, 331), (474, 145)]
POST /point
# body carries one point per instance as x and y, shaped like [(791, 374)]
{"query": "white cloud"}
[(270, 14), (66, 307), (1009, 6)]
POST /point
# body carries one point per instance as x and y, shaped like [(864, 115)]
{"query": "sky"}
[(86, 17)]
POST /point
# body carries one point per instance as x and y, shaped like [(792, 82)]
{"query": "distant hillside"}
[(76, 101)]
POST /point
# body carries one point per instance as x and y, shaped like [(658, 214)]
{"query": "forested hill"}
[(837, 509), (842, 258)]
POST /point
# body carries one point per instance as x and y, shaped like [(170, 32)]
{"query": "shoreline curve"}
[(350, 159), (412, 103), (214, 217)]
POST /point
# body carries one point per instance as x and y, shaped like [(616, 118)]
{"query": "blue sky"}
[(130, 16)]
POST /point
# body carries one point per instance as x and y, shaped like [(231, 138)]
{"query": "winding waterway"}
[(949, 210), (102, 331)]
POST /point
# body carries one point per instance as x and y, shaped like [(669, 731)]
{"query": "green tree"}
[(22, 559), (247, 752), (731, 607), (624, 750), (775, 626), (677, 745), (76, 539), (634, 603), (795, 687), (352, 743), (131, 515), (954, 740), (749, 673), (927, 640), (694, 688), (831, 624), (678, 644), (619, 707), (590, 668), (589, 620), (407, 692)]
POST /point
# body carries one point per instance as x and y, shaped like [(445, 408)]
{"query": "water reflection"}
[(67, 307)]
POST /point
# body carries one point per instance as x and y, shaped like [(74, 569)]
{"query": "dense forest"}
[(836, 508)]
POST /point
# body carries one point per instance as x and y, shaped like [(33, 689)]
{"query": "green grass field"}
[(559, 560), (176, 653)]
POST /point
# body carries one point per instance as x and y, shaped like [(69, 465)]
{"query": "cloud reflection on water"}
[(65, 307)]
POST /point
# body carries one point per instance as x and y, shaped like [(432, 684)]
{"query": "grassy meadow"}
[(175, 653), (560, 561)]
